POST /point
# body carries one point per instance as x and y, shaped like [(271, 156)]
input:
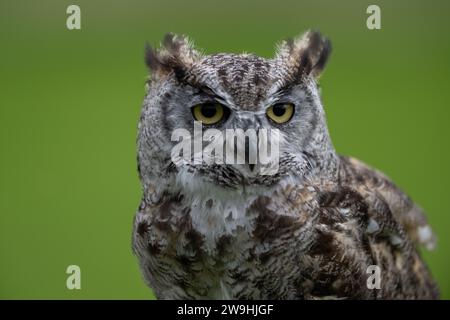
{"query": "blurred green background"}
[(70, 102)]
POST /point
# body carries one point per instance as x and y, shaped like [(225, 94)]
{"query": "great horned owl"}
[(223, 231)]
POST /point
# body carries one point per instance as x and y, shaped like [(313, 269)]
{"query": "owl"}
[(319, 226)]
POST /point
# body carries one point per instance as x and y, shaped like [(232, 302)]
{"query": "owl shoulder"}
[(386, 198)]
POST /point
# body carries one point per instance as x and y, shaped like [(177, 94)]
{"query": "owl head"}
[(222, 92)]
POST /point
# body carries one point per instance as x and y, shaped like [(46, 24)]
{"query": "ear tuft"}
[(152, 59), (176, 54), (305, 55)]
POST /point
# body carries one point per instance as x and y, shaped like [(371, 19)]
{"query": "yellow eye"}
[(208, 113), (280, 112)]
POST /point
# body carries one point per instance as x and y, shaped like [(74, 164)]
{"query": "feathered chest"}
[(260, 247)]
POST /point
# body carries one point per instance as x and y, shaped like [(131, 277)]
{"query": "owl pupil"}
[(279, 110), (208, 110)]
